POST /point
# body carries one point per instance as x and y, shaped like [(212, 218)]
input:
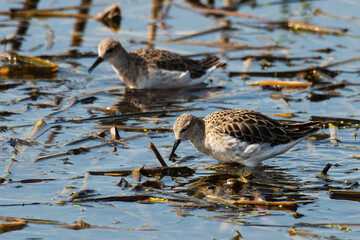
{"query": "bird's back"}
[(166, 60), (254, 127)]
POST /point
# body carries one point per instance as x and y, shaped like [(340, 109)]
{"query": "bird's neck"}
[(121, 60), (125, 68), (197, 136)]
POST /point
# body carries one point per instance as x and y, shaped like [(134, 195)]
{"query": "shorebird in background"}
[(154, 69)]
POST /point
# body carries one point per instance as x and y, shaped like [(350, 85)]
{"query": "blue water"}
[(299, 165)]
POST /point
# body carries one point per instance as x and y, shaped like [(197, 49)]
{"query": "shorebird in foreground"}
[(154, 69), (242, 136)]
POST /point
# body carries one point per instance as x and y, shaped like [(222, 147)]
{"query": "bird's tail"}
[(301, 129), (211, 61)]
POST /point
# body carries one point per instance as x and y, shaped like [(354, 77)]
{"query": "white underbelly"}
[(160, 79), (229, 149)]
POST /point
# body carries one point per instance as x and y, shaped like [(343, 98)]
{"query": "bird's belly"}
[(229, 149), (160, 79), (156, 78)]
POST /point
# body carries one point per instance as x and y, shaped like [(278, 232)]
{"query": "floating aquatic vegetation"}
[(19, 66), (149, 172), (233, 46), (80, 150), (11, 224), (311, 73), (111, 17), (294, 231), (336, 121), (285, 84), (345, 195), (323, 175)]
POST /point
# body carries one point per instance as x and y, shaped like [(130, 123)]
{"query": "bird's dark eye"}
[(184, 129)]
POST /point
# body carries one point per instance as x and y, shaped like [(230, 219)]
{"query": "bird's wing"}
[(254, 127), (174, 62)]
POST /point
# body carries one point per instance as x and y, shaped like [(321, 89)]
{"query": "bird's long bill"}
[(96, 63), (176, 144)]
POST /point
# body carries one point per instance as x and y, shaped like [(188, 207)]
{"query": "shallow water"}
[(33, 99)]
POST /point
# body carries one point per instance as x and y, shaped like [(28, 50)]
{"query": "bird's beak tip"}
[(176, 144), (96, 63)]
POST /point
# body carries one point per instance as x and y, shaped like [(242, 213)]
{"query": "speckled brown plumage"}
[(254, 127), (174, 62)]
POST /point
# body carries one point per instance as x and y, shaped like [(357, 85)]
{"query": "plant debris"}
[(283, 58), (19, 66)]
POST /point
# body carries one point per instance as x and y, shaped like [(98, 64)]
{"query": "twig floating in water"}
[(287, 205), (137, 128), (202, 33), (114, 198), (82, 149), (343, 194), (326, 169), (205, 10), (293, 231), (308, 72), (15, 224), (163, 171), (281, 83), (158, 155), (214, 44)]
